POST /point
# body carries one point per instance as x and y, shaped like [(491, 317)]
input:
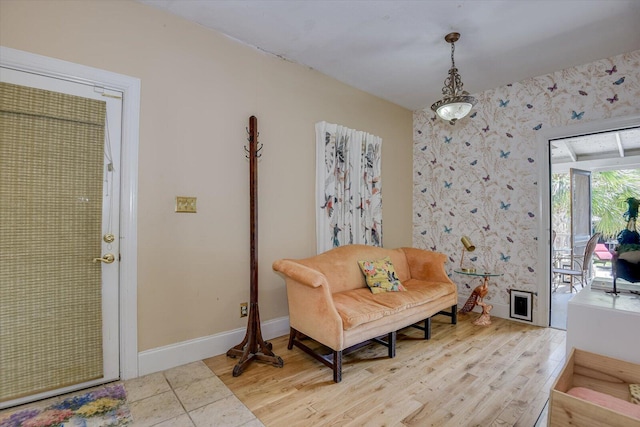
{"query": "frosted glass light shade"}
[(454, 111), (454, 108)]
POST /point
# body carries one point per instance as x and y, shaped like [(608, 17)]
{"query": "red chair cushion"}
[(603, 253)]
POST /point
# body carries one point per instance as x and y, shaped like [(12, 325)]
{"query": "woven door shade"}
[(51, 173)]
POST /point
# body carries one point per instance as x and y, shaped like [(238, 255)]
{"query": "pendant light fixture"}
[(456, 102)]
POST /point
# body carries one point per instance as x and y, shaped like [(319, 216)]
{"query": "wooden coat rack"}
[(253, 347)]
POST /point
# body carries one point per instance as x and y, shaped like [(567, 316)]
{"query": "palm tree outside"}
[(609, 193)]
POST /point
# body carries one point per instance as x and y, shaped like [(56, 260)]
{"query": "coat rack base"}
[(253, 347)]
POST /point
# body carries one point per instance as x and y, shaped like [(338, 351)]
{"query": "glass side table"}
[(477, 296)]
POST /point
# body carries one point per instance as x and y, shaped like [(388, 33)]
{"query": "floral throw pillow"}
[(381, 276)]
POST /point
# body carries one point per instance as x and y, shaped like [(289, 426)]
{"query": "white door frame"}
[(130, 87), (544, 219)]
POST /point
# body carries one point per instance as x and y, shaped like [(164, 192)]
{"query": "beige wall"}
[(198, 90)]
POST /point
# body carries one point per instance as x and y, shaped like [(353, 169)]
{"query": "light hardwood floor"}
[(466, 375)]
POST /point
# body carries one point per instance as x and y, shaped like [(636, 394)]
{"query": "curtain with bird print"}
[(348, 187)]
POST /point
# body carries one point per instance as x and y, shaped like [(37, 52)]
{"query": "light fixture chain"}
[(453, 62)]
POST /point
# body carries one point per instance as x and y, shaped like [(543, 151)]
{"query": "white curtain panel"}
[(348, 187)]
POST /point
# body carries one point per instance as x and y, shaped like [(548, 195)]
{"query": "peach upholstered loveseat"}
[(330, 302)]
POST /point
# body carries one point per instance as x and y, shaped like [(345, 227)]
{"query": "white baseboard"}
[(170, 356)]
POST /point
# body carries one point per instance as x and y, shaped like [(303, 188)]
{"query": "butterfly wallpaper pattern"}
[(479, 177)]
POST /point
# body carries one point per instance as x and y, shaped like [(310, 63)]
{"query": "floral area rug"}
[(102, 407)]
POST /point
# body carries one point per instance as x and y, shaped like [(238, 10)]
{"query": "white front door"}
[(34, 333)]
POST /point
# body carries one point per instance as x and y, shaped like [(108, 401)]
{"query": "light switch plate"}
[(185, 204)]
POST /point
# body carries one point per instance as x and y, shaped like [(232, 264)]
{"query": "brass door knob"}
[(107, 259)]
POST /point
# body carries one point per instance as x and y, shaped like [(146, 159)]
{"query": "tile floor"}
[(186, 396)]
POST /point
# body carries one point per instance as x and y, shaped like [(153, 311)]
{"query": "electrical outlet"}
[(244, 309)]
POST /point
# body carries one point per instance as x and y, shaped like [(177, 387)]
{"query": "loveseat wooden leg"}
[(454, 314), (427, 328), (337, 366), (292, 336), (391, 341)]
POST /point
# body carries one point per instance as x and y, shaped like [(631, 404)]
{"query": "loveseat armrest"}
[(426, 265), (300, 273), (311, 307)]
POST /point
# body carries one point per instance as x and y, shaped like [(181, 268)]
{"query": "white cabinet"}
[(601, 323)]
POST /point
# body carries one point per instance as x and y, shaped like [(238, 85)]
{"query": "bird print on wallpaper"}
[(575, 115), (619, 81)]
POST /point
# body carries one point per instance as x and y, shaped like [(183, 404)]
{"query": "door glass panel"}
[(51, 170)]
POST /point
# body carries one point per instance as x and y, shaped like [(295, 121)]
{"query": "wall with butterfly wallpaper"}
[(479, 177)]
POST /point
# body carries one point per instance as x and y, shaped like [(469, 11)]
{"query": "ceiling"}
[(396, 49), (607, 150)]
